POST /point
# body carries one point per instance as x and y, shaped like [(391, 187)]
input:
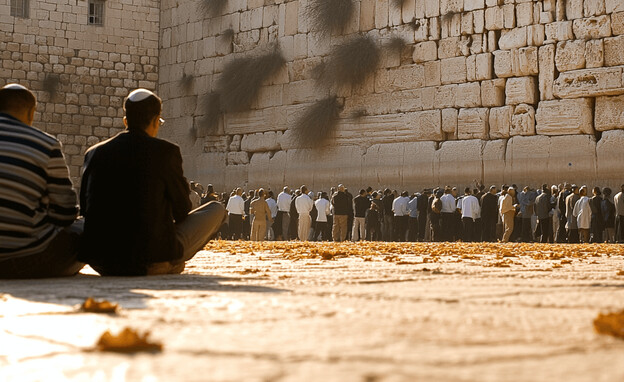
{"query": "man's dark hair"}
[(19, 100), (362, 192), (467, 190), (141, 113), (404, 193)]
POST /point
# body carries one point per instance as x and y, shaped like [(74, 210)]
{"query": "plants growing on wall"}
[(326, 16), (315, 125), (350, 63), (211, 8), (186, 82), (51, 84)]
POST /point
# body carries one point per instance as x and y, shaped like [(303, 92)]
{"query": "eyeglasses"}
[(162, 121)]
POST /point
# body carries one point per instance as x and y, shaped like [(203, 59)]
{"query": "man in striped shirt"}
[(39, 233)]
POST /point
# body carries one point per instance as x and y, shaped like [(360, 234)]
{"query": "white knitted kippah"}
[(139, 95), (14, 87)]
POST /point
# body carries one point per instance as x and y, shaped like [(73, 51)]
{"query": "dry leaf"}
[(102, 306), (611, 324), (128, 341), (620, 273)]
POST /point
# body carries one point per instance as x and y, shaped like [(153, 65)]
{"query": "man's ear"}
[(125, 121), (31, 115)]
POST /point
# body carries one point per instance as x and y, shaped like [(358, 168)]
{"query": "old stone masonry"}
[(403, 93)]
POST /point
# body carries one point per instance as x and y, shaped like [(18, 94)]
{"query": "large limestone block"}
[(524, 61), (451, 6), (425, 51), (453, 70), (509, 16), (617, 23), (340, 164), (449, 121), (259, 142), (459, 162), (536, 34), (236, 176), (594, 54), (614, 51), (610, 158), (609, 113), (592, 27), (449, 47), (256, 121), (546, 77), (513, 38), (503, 63), (471, 5), (493, 158), (468, 95), (425, 125), (432, 8), (445, 96), (540, 159), (400, 78), (432, 73), (500, 121), (521, 90), (494, 18), (524, 14), (574, 9), (523, 120), (484, 66), (368, 130), (417, 165), (473, 123), (593, 8), (612, 6), (570, 55), (493, 92), (564, 117), (559, 31), (405, 164), (589, 83), (207, 168), (237, 157)]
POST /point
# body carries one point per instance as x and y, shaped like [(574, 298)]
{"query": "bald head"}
[(19, 102)]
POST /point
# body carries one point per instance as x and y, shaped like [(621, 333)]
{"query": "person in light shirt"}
[(507, 211), (273, 207), (401, 215), (582, 213), (282, 220), (236, 210), (323, 208), (470, 211), (449, 207), (304, 206)]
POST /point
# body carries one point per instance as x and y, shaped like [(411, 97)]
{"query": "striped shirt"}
[(36, 195)]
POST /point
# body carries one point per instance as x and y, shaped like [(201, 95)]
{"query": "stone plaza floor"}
[(367, 312)]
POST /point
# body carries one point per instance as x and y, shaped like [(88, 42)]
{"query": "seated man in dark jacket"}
[(135, 200)]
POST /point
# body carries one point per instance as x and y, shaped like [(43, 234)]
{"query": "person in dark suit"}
[(489, 214), (135, 200)]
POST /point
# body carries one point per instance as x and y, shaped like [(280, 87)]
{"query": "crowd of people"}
[(564, 213)]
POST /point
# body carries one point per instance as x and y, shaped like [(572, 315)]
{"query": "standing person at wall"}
[(282, 220), (618, 200), (435, 215), (39, 233), (582, 212), (571, 224), (544, 221), (361, 204), (508, 211), (304, 205), (526, 199), (597, 220), (388, 216), (449, 208), (323, 210), (259, 209), (373, 222), (412, 225), (489, 214), (377, 201), (608, 214), (293, 227), (470, 210), (247, 220), (270, 199), (401, 215), (236, 211), (562, 234), (422, 213), (340, 202)]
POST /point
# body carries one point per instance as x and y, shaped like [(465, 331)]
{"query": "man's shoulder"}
[(22, 128)]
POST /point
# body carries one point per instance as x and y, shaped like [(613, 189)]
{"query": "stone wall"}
[(80, 73), (515, 91)]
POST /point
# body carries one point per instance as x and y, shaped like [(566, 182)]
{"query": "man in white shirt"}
[(470, 211), (412, 206), (236, 211), (323, 210), (582, 213), (273, 207), (618, 200), (447, 214), (282, 220), (401, 215), (304, 206)]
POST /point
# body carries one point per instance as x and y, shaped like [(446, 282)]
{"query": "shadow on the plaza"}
[(129, 292)]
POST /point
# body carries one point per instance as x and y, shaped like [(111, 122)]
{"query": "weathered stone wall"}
[(80, 73)]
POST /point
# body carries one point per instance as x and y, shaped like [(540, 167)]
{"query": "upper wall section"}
[(448, 70), (79, 72)]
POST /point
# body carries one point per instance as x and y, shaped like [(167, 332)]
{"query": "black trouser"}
[(236, 226), (544, 230), (527, 237), (400, 226), (413, 229), (596, 229), (619, 229), (478, 230), (422, 225), (562, 234), (322, 229), (447, 226), (469, 226), (573, 236), (489, 229), (434, 221), (372, 233)]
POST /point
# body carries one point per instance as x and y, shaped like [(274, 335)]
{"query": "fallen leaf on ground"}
[(102, 306), (620, 273), (611, 324), (128, 341)]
